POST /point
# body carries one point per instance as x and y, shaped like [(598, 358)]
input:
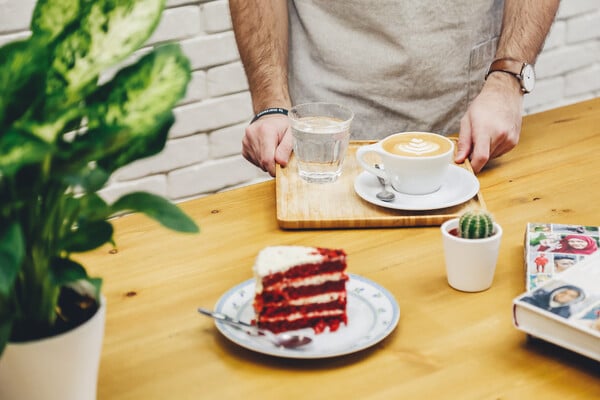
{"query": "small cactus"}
[(475, 224)]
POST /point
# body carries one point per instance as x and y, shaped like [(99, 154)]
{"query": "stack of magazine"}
[(562, 302)]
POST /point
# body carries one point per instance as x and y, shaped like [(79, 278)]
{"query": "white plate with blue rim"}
[(460, 185), (372, 311)]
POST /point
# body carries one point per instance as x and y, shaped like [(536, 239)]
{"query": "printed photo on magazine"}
[(553, 248), (573, 295)]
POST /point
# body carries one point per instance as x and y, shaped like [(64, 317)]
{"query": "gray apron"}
[(400, 65)]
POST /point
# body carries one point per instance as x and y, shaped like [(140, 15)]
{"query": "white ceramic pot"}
[(62, 367), (470, 263)]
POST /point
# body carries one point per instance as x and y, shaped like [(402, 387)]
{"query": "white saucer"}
[(459, 186), (373, 313)]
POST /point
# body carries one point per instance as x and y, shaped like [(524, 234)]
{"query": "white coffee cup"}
[(414, 162)]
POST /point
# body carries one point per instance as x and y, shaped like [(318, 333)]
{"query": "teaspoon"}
[(386, 194), (285, 340)]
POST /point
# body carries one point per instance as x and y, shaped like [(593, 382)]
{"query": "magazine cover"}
[(566, 309), (553, 248)]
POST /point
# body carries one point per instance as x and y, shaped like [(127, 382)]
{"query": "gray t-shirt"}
[(400, 65)]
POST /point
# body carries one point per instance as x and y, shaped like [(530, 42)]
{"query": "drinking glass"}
[(321, 133)]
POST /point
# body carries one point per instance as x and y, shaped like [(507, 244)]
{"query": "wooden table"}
[(447, 345)]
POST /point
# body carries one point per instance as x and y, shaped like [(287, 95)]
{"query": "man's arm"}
[(492, 124), (525, 25), (261, 33)]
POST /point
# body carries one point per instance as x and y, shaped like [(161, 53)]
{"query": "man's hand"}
[(492, 123), (268, 141), (261, 34)]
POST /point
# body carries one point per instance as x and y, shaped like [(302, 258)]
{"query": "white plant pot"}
[(470, 263), (62, 367)]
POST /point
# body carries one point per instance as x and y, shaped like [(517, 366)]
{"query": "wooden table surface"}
[(447, 345)]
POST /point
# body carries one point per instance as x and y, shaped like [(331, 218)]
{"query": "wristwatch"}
[(522, 71)]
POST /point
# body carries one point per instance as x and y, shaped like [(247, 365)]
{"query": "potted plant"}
[(62, 134), (471, 244)]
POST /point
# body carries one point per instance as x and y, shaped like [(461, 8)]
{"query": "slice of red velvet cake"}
[(299, 287)]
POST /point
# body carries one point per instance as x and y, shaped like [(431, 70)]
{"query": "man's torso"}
[(400, 65)]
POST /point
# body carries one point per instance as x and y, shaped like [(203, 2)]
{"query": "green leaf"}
[(151, 143), (93, 207), (131, 115), (150, 87), (18, 148), (158, 208), (89, 207), (65, 270), (108, 32), (12, 253), (53, 126), (88, 179), (50, 17), (23, 65), (91, 146), (115, 146), (88, 236)]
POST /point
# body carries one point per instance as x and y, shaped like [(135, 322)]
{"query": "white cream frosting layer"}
[(318, 299), (295, 316), (275, 259), (310, 281)]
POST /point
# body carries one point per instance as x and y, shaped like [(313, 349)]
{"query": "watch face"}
[(528, 78)]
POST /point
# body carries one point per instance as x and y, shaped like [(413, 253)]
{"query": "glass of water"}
[(321, 134)]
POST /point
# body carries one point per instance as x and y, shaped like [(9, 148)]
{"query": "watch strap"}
[(509, 66), (506, 65)]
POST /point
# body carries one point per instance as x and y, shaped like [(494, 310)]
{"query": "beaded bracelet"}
[(267, 111)]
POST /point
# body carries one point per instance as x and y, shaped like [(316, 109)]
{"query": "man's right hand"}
[(261, 33), (267, 142)]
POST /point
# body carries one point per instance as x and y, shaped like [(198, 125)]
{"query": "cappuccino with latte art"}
[(414, 162)]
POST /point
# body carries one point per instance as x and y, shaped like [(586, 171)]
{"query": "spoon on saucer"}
[(386, 194), (285, 340)]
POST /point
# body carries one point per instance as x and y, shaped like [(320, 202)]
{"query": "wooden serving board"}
[(303, 205)]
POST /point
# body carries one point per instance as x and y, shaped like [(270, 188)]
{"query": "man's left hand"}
[(492, 123)]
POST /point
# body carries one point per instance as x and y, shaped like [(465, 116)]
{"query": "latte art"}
[(418, 146)]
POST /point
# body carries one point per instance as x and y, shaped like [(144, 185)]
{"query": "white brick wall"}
[(568, 69), (203, 154)]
